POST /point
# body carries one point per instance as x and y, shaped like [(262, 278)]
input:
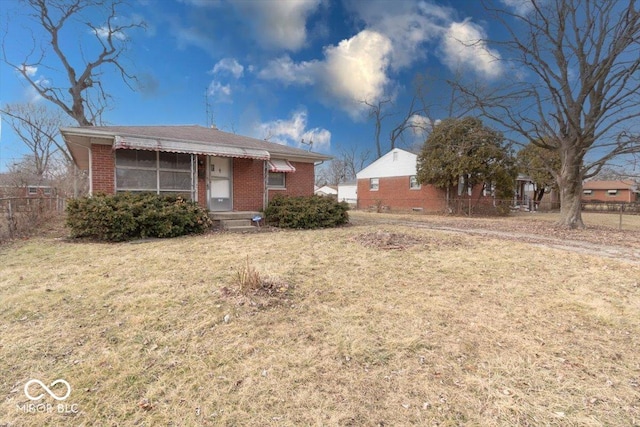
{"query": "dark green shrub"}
[(306, 212), (128, 216)]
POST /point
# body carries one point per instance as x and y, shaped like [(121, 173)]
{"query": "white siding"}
[(348, 193), (326, 190), (396, 162)]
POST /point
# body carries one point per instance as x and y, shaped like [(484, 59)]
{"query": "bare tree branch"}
[(83, 98)]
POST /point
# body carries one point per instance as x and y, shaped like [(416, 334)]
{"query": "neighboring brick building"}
[(610, 191), (220, 170), (390, 183)]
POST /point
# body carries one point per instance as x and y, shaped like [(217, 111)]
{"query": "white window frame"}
[(32, 191), (413, 183), (374, 184), (587, 192)]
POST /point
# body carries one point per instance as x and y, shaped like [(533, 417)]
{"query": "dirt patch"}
[(268, 293)]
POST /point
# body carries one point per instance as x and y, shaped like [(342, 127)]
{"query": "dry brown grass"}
[(447, 330)]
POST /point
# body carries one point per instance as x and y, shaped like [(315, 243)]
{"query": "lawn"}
[(364, 325)]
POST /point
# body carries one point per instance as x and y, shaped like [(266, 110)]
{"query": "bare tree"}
[(580, 93), (378, 114), (343, 167), (83, 98), (38, 128), (418, 118)]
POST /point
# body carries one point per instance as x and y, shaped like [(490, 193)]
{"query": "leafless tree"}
[(38, 128), (377, 112), (83, 97), (343, 167), (579, 93), (418, 118)]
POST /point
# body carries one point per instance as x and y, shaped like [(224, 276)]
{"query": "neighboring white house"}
[(348, 192), (396, 162), (326, 190)]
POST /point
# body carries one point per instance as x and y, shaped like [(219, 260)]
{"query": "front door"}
[(220, 184)]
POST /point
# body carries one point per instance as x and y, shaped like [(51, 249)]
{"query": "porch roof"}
[(190, 147)]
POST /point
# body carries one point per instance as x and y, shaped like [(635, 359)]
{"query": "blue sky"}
[(285, 70)]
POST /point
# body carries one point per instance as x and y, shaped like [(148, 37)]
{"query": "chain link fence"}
[(19, 215)]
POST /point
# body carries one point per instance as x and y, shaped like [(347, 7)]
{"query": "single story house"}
[(326, 190), (610, 191), (348, 192), (19, 186), (390, 183), (222, 171)]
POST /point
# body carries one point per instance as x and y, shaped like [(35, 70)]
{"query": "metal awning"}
[(189, 147), (278, 165)]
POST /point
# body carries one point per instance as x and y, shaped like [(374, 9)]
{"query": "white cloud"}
[(521, 7), (464, 45), (219, 91), (30, 70), (353, 71), (356, 69), (283, 69), (420, 125), (294, 130), (32, 95), (279, 24), (104, 31), (409, 26), (201, 3), (228, 65)]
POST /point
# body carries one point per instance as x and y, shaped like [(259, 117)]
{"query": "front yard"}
[(373, 324)]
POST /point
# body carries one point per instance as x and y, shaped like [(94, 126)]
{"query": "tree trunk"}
[(570, 186)]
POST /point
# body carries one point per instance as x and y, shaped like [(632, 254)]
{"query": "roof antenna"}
[(310, 143), (208, 110)]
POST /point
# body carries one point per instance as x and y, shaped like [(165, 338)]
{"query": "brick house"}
[(610, 191), (25, 186), (222, 171), (390, 183)]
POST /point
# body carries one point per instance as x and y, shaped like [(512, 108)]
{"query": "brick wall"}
[(394, 193), (103, 169), (248, 184), (298, 183), (603, 196), (202, 181)]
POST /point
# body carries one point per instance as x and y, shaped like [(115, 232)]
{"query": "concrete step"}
[(241, 229), (220, 216), (228, 223)]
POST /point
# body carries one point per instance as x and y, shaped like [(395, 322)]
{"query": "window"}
[(587, 192), (395, 156), (374, 184), (276, 180), (156, 172), (612, 192), (47, 191), (413, 183), (33, 190)]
